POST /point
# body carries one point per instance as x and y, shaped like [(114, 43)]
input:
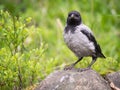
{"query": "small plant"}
[(19, 65)]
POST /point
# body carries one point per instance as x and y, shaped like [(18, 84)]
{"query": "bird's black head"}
[(74, 18)]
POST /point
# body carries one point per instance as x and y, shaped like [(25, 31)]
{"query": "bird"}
[(80, 39)]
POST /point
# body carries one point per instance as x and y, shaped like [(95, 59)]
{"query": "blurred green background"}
[(42, 23)]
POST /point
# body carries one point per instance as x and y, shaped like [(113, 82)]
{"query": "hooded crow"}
[(80, 39)]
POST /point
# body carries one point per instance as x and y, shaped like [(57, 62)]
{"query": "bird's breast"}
[(78, 43)]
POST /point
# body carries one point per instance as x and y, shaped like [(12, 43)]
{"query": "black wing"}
[(92, 39)]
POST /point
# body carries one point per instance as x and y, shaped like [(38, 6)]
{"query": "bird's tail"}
[(101, 55)]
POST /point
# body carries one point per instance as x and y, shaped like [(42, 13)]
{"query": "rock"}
[(74, 80), (114, 80)]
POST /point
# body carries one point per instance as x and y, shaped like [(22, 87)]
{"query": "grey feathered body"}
[(78, 42)]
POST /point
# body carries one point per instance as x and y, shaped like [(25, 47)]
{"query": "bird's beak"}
[(72, 16)]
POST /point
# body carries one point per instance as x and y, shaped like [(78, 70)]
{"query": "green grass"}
[(48, 22), (101, 17)]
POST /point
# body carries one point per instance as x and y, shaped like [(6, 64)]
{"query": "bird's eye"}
[(69, 15), (77, 15)]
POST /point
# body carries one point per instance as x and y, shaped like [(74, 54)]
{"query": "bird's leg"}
[(77, 61), (93, 61), (89, 67), (72, 65)]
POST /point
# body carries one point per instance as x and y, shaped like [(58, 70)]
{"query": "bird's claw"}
[(83, 69), (69, 67)]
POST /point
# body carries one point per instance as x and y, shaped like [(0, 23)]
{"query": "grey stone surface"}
[(74, 80), (114, 80)]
